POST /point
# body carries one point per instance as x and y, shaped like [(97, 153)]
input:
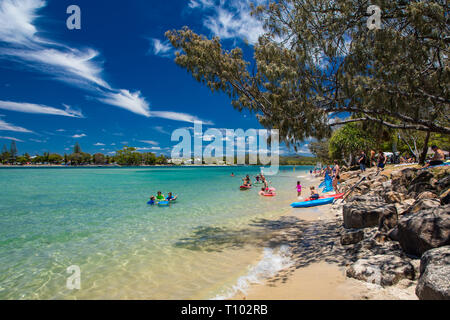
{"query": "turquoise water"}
[(98, 219)]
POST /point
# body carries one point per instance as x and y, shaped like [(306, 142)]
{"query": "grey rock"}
[(427, 229), (443, 183), (427, 195), (445, 197), (359, 215), (423, 177), (352, 237), (422, 204), (388, 220), (434, 281), (384, 270)]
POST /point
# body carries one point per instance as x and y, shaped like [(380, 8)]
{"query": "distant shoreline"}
[(143, 166)]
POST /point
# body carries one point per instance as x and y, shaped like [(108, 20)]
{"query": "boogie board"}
[(312, 203)]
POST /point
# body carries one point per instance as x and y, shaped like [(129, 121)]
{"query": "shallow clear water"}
[(98, 219)]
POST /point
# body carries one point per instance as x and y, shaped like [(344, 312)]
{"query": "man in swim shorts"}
[(381, 162), (362, 161)]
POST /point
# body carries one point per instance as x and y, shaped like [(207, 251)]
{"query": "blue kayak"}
[(312, 203)]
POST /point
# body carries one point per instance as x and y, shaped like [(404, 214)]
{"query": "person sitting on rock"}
[(437, 159)]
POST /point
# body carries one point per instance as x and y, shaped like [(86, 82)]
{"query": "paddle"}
[(350, 191)]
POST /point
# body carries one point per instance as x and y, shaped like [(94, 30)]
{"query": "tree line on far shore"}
[(128, 156)]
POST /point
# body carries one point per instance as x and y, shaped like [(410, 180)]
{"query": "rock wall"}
[(409, 215)]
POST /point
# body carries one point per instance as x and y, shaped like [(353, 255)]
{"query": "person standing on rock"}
[(381, 161), (372, 158), (362, 161)]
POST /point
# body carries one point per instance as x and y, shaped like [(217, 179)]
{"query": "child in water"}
[(160, 197), (170, 197), (314, 194), (152, 200), (299, 189)]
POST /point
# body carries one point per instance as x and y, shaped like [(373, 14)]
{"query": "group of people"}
[(160, 197), (260, 178), (379, 159), (334, 173)]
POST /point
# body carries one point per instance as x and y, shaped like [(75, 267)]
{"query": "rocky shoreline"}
[(396, 228)]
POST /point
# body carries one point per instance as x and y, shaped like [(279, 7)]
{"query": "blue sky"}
[(114, 82)]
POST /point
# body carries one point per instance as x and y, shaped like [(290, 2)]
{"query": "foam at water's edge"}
[(273, 261)]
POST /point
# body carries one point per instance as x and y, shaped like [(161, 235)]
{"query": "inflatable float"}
[(264, 194), (245, 187), (312, 203), (164, 203)]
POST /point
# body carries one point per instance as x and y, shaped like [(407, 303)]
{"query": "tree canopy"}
[(319, 60)]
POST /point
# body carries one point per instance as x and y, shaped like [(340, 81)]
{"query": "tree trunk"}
[(423, 156)]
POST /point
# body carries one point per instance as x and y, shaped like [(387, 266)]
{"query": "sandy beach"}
[(318, 264)]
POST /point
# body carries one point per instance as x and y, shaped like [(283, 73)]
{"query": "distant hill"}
[(298, 160)]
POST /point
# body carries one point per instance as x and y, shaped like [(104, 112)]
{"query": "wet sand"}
[(319, 263)]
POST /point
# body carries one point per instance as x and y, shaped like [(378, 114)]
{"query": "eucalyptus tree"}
[(318, 60), (13, 150)]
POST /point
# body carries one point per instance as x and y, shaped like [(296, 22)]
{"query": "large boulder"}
[(427, 195), (403, 177), (422, 204), (394, 197), (384, 270), (434, 281), (421, 183), (352, 237), (404, 206), (423, 177), (427, 229), (418, 188), (359, 215), (366, 198), (443, 183), (445, 197), (388, 220)]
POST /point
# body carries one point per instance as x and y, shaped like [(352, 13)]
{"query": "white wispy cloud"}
[(154, 143), (200, 3), (20, 43), (125, 99), (179, 116), (76, 136), (161, 48), (40, 109), (161, 129), (99, 144), (11, 138), (148, 149), (16, 19), (5, 126), (230, 19)]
